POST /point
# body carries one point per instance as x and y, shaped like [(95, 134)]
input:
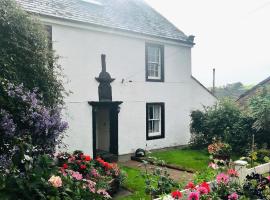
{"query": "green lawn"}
[(134, 183), (195, 160)]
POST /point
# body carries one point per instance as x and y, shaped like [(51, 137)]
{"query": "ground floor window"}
[(154, 121)]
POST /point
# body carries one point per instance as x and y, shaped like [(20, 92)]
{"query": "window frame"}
[(161, 77), (162, 120)]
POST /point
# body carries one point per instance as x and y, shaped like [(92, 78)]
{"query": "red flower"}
[(87, 158), (191, 186), (232, 173), (65, 166), (83, 166), (176, 194), (206, 186)]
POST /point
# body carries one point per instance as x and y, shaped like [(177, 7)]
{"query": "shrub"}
[(44, 179), (29, 127), (257, 187), (26, 56), (259, 110), (223, 121), (262, 155)]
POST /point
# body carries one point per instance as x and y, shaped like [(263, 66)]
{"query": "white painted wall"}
[(80, 51), (199, 96)]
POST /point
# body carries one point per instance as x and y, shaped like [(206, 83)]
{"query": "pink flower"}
[(193, 196), (91, 186), (71, 159), (232, 173), (213, 165), (55, 181), (95, 173), (233, 196), (222, 178), (268, 178), (77, 175), (202, 190), (104, 193)]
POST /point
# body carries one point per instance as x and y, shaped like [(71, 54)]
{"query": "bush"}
[(263, 155), (223, 121), (45, 179), (26, 56), (259, 110), (28, 128)]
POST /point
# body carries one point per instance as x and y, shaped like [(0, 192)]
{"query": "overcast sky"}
[(231, 35)]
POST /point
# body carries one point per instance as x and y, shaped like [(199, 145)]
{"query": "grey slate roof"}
[(262, 83), (127, 15)]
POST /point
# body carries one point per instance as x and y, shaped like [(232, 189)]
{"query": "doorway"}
[(105, 127)]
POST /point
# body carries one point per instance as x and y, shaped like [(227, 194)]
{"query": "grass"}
[(194, 160), (134, 183)]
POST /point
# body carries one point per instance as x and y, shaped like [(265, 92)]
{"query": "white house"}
[(145, 93)]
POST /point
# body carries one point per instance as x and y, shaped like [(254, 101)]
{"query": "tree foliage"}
[(25, 54), (259, 109), (234, 125), (224, 121)]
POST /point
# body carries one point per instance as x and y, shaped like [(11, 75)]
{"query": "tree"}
[(26, 56), (259, 109), (31, 90)]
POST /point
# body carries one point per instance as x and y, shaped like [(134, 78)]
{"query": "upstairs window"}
[(154, 54), (154, 120)]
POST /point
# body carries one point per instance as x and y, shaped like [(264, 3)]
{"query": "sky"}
[(232, 36)]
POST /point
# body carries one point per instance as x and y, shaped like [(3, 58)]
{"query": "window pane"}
[(150, 112), (151, 126), (154, 61), (153, 54), (156, 112), (156, 126)]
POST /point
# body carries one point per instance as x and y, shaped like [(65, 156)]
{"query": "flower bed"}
[(99, 176), (67, 176)]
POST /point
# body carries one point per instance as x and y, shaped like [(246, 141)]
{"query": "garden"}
[(31, 123), (32, 130)]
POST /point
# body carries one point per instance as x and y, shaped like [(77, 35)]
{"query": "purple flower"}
[(7, 123)]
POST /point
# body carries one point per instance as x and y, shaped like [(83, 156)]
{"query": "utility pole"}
[(214, 81)]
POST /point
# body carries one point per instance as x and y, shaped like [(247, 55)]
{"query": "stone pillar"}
[(241, 167)]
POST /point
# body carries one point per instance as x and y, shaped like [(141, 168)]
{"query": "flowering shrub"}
[(79, 177), (29, 122), (219, 149), (257, 186), (99, 175), (225, 187)]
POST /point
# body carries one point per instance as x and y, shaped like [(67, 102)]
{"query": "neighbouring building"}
[(141, 93), (244, 98)]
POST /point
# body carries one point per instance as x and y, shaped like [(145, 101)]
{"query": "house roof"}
[(265, 81), (126, 15)]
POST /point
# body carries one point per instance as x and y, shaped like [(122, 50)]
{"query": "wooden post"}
[(241, 167)]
